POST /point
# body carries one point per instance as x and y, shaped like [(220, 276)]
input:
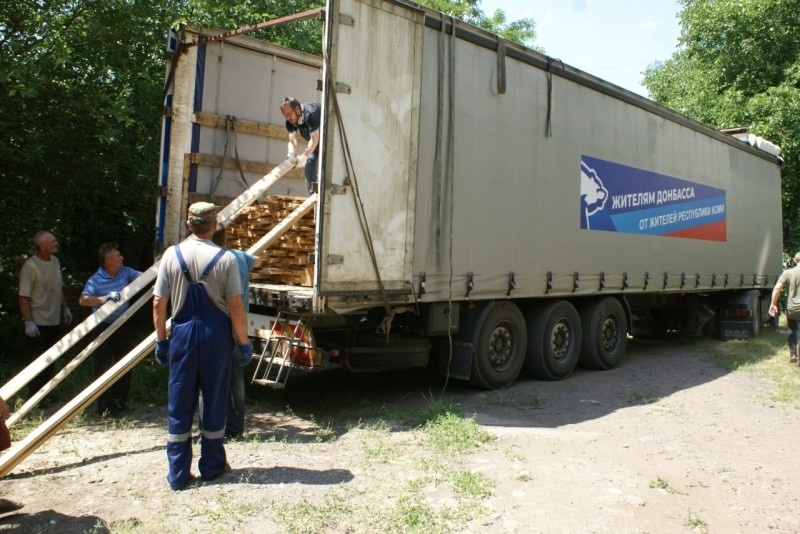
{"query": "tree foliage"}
[(738, 64), (522, 31), (80, 94)]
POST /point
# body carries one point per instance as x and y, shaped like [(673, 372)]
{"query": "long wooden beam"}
[(71, 366), (232, 210), (76, 334), (243, 126), (226, 216), (210, 160), (22, 449), (37, 437)]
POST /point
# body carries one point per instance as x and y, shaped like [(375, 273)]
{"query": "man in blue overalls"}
[(202, 282)]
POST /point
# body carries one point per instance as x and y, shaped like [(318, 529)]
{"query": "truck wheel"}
[(605, 333), (500, 347), (554, 335)]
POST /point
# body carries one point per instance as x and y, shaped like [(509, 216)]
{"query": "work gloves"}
[(66, 316), (114, 295), (244, 354), (31, 330), (291, 157), (162, 352)]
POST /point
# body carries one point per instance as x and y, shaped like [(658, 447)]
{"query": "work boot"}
[(793, 356)]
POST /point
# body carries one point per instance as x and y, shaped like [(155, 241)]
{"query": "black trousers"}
[(793, 325), (106, 355), (35, 347)]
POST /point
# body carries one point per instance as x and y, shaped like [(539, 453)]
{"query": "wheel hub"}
[(500, 346), (609, 334), (560, 340)]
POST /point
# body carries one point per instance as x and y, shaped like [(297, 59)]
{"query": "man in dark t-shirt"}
[(790, 279), (303, 119)]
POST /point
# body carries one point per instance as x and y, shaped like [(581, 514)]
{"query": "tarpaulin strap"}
[(501, 66), (230, 126), (437, 165), (549, 125), (236, 152)]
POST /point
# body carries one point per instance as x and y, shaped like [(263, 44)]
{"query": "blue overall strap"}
[(209, 267), (212, 263), (182, 264)]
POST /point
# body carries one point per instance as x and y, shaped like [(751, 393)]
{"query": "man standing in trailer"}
[(304, 119)]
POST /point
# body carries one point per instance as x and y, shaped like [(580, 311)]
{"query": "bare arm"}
[(776, 294), (292, 147), (25, 308), (238, 319), (89, 301), (160, 317), (313, 141)]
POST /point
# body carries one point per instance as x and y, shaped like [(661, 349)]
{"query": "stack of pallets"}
[(286, 262)]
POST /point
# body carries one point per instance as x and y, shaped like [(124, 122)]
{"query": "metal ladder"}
[(277, 358)]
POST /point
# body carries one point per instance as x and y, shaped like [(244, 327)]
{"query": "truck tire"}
[(500, 347), (605, 333), (554, 340)]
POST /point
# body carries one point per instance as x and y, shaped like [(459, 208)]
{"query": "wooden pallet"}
[(287, 261)]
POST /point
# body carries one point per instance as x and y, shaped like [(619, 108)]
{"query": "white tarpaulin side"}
[(377, 92)]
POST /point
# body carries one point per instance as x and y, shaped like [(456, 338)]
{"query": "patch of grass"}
[(449, 432), (523, 476), (766, 356), (225, 509), (324, 431), (660, 483), (640, 399), (694, 522), (514, 456), (379, 452), (431, 465), (471, 484), (123, 526), (413, 515), (306, 517), (27, 424)]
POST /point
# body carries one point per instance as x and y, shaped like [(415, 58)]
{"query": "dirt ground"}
[(667, 442)]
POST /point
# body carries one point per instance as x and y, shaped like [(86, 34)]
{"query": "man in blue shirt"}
[(234, 424), (304, 119), (105, 285)]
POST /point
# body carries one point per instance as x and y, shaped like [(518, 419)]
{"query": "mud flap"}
[(459, 366)]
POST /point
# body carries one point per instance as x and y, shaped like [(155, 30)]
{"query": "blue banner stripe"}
[(672, 218)]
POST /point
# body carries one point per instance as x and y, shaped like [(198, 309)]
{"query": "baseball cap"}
[(202, 213)]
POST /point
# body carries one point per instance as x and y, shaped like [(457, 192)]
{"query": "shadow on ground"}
[(652, 369)]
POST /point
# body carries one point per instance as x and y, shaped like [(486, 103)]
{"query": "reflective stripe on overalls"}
[(199, 359)]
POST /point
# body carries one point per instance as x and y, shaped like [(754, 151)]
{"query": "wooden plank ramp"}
[(21, 450)]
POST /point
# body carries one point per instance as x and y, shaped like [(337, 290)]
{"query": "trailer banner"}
[(618, 198)]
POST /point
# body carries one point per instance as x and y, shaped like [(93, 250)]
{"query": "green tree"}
[(81, 83), (738, 64)]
